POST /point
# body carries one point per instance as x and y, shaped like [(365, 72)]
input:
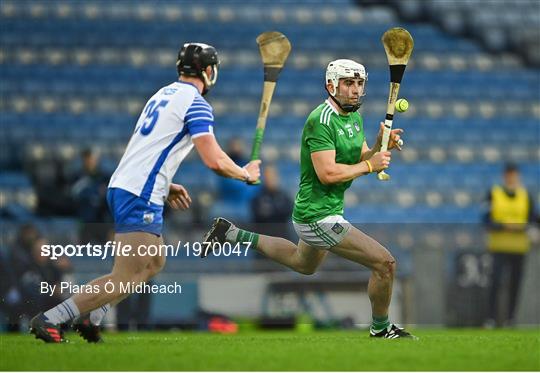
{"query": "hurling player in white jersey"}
[(174, 120)]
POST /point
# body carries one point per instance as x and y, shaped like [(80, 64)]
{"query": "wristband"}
[(369, 166)]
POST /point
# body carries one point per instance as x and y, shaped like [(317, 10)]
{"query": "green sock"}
[(380, 323), (246, 236)]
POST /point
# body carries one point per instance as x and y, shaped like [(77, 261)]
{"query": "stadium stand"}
[(492, 22), (76, 74)]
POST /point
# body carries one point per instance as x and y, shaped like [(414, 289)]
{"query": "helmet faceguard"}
[(194, 58), (340, 69)]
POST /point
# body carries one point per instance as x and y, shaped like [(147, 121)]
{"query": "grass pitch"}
[(457, 349)]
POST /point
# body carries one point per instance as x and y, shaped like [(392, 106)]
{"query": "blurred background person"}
[(11, 303), (17, 288), (23, 269), (52, 187), (133, 313), (235, 192), (88, 191), (510, 211), (271, 208)]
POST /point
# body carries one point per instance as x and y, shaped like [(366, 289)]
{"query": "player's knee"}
[(119, 276), (392, 266), (386, 267), (154, 270), (307, 268), (155, 267), (125, 274)]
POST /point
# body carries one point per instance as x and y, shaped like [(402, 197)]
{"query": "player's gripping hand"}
[(380, 161), (254, 170), (395, 137), (178, 198)]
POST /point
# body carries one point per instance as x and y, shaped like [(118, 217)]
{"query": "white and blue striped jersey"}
[(172, 117)]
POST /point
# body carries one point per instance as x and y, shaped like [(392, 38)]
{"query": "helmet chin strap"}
[(348, 108), (209, 83), (206, 83)]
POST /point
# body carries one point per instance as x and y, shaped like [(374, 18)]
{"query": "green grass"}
[(458, 349)]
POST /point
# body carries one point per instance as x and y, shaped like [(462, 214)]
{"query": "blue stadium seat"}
[(14, 180), (511, 91)]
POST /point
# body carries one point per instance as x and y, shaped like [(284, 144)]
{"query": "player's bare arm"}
[(218, 161), (330, 172)]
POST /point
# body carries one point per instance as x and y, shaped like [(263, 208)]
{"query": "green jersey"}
[(326, 129)]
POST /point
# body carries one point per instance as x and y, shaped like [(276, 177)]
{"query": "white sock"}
[(97, 315), (62, 313)]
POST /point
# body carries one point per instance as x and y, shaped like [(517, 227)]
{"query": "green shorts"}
[(325, 233)]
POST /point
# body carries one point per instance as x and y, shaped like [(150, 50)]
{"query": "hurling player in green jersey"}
[(334, 152)]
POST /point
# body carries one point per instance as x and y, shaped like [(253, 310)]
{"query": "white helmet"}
[(340, 69)]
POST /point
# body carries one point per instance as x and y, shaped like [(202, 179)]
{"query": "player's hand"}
[(380, 161), (395, 136), (254, 170), (178, 198)]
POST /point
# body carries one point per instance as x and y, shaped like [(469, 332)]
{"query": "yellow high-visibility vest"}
[(509, 210)]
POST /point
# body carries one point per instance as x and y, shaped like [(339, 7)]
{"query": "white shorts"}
[(325, 233)]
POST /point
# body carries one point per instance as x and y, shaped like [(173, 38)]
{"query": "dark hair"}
[(87, 152), (510, 167)]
